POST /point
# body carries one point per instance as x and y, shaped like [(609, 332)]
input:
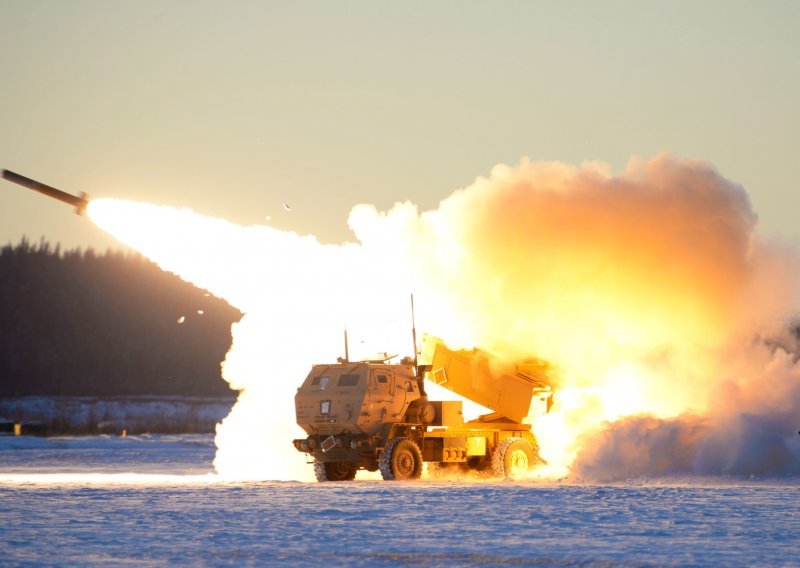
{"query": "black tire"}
[(513, 458), (335, 471), (400, 460)]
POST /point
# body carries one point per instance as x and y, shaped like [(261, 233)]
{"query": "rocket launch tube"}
[(78, 202)]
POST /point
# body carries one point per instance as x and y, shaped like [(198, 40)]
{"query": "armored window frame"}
[(348, 381)]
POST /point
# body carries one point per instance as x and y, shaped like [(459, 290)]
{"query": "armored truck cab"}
[(346, 408)]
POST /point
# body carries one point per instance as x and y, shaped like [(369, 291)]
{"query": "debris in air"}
[(181, 319), (286, 206), (200, 312)]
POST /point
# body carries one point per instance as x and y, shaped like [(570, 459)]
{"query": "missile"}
[(79, 202)]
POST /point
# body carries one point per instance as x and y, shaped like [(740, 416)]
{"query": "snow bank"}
[(88, 415)]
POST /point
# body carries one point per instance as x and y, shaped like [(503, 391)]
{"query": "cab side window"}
[(347, 381)]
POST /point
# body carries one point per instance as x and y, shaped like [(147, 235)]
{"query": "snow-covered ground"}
[(148, 500)]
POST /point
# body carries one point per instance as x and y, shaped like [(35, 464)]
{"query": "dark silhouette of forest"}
[(78, 323)]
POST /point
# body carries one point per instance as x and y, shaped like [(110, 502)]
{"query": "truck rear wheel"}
[(400, 460), (513, 458), (334, 471)]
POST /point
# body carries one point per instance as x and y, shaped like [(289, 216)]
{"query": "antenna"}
[(414, 333), (346, 350)]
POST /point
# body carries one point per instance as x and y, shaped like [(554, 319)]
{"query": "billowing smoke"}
[(750, 428), (649, 292)]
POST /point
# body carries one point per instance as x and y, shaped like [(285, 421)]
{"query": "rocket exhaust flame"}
[(645, 290)]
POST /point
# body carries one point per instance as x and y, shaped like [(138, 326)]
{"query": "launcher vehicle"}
[(376, 416)]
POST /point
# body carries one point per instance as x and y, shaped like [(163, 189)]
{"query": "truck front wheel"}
[(400, 460), (334, 471), (513, 458)]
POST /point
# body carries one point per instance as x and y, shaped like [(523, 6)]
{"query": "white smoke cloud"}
[(644, 289), (751, 430), (648, 290)]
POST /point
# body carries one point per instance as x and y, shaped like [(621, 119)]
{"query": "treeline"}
[(79, 323)]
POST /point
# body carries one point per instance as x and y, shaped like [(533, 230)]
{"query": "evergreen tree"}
[(85, 324)]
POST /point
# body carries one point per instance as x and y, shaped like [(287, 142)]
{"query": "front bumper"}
[(334, 447)]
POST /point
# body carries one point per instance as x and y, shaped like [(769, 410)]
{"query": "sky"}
[(234, 109)]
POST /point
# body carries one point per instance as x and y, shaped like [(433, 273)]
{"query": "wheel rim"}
[(405, 463), (518, 462)]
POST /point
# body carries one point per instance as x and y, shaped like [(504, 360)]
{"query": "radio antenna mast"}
[(414, 334)]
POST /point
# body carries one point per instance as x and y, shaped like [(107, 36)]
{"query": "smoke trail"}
[(641, 289), (297, 295)]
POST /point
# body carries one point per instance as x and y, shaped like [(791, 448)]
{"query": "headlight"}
[(354, 444), (304, 445)]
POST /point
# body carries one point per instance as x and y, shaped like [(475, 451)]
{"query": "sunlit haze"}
[(235, 110), (521, 278)]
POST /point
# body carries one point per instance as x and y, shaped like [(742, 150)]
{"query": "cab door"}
[(381, 386), (381, 394)]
